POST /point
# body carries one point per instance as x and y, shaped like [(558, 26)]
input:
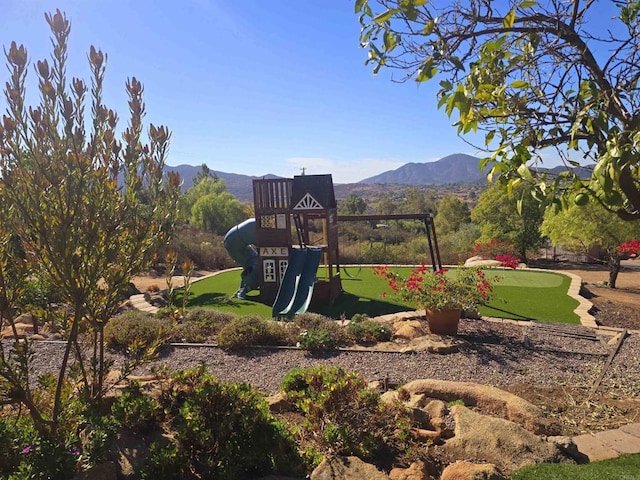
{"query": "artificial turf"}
[(625, 467), (519, 294)]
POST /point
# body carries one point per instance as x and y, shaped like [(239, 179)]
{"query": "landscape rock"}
[(569, 448), (471, 471), (416, 471), (278, 403), (346, 468), (409, 329), (506, 444), (478, 261), (487, 399), (436, 409), (433, 344), (390, 397)]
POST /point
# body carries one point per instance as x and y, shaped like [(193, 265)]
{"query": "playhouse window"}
[(268, 221), (269, 270)]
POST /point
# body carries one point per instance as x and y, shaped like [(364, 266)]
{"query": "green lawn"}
[(520, 294), (626, 467)]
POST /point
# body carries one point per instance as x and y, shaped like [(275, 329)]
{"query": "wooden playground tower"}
[(305, 208)]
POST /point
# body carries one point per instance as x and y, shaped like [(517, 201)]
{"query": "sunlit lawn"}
[(520, 294)]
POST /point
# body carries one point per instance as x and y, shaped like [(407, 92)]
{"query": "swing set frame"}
[(427, 218)]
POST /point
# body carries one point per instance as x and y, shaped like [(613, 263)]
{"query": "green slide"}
[(296, 289)]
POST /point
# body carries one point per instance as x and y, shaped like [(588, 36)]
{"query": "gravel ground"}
[(497, 354)]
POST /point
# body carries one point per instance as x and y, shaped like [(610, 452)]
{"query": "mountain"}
[(456, 168), (240, 186)]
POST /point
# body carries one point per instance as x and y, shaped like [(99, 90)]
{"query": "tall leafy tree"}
[(88, 232), (531, 75), (514, 219), (452, 213), (577, 229), (354, 205)]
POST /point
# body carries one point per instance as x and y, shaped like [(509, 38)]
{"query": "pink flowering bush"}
[(464, 288)]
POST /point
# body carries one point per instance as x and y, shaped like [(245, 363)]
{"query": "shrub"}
[(136, 332), (222, 431), (344, 418), (201, 324), (367, 332), (317, 340), (134, 409), (314, 321), (250, 330)]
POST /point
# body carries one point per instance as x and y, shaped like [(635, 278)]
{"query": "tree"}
[(354, 205), (531, 76), (217, 212), (508, 219), (579, 228), (206, 185), (86, 232), (452, 214)]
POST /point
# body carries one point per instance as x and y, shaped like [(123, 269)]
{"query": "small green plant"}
[(201, 324), (164, 462), (250, 330), (134, 409), (136, 332), (317, 340), (367, 332), (456, 402)]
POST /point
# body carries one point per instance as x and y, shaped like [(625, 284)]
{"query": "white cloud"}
[(342, 171)]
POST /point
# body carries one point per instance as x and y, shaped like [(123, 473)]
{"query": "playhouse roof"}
[(312, 192)]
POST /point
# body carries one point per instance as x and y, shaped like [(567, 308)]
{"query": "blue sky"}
[(249, 86)]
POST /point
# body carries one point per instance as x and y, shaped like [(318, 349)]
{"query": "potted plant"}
[(443, 294)]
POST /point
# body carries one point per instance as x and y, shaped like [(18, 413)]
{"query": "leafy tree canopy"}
[(452, 214), (579, 228), (510, 219), (531, 76)]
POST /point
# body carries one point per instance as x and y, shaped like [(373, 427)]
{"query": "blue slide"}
[(239, 242), (296, 289)]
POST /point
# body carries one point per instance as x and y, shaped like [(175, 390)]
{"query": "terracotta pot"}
[(443, 322)]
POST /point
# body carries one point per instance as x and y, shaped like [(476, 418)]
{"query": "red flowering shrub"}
[(630, 248), (465, 288), (499, 250)]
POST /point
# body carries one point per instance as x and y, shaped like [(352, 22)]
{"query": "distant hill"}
[(453, 169), (240, 186), (456, 168)]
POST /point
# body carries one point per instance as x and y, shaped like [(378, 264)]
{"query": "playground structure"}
[(286, 270)]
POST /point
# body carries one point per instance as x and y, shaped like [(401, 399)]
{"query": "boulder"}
[(490, 400), (506, 444), (436, 409), (416, 471), (471, 471), (409, 329), (478, 261), (279, 403), (432, 344), (346, 468)]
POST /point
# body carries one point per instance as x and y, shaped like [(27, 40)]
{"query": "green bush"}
[(134, 409), (135, 332), (222, 431), (343, 417), (317, 340), (251, 330), (201, 324), (367, 332), (314, 321)]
